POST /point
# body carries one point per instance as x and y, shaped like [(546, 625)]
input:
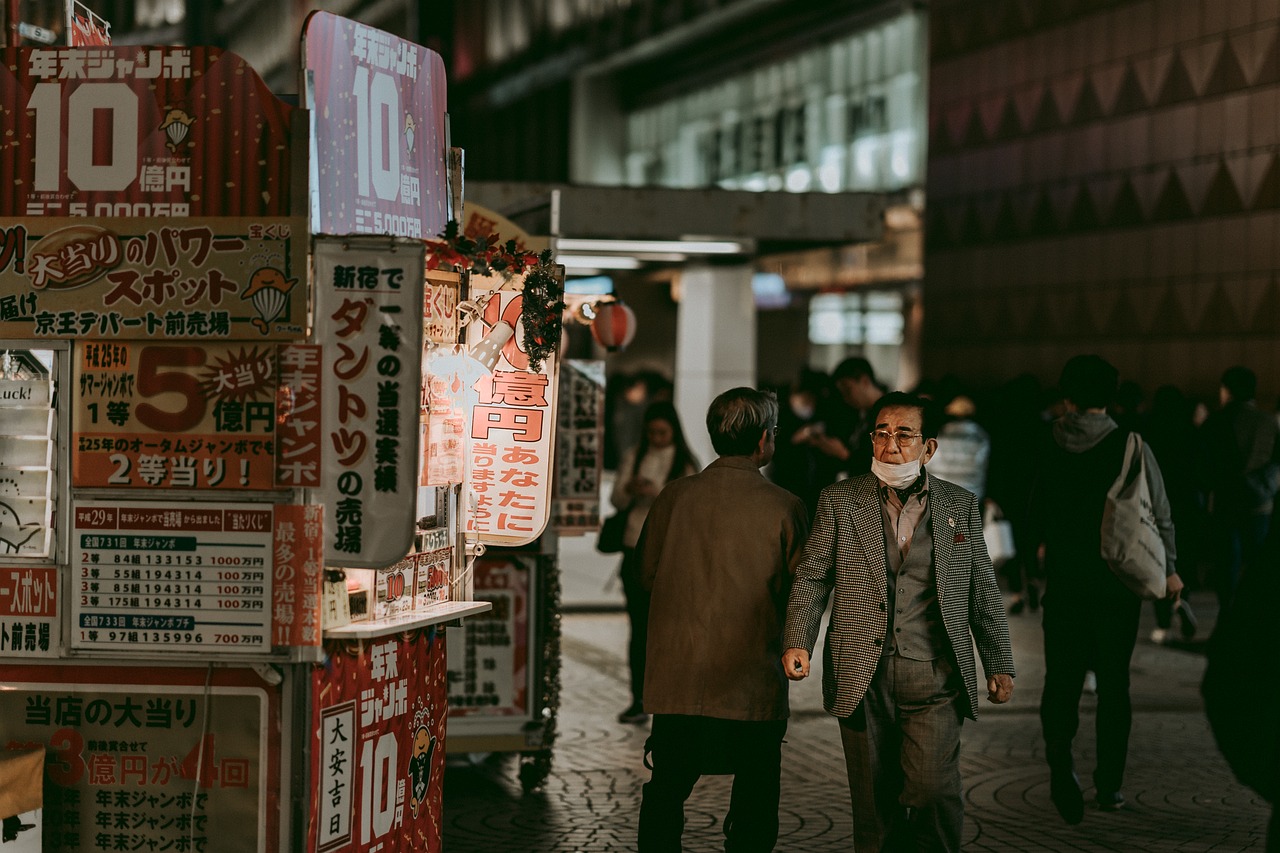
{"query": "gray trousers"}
[(902, 752)]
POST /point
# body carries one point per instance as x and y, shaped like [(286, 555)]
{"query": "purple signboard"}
[(378, 106)]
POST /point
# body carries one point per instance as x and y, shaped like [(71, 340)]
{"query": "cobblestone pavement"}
[(1182, 796)]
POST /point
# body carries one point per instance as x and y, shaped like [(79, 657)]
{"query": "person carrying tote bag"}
[(662, 456)]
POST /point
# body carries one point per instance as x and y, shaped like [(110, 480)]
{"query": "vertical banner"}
[(368, 294), (580, 448), (297, 567), (378, 148), (149, 758), (299, 438), (489, 670), (511, 443), (377, 750)]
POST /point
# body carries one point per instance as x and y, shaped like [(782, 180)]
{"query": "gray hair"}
[(738, 417)]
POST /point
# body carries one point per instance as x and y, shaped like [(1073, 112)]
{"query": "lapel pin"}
[(951, 521)]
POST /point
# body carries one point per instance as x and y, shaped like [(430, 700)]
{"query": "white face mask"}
[(899, 475)]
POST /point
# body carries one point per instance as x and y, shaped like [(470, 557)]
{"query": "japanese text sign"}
[(133, 757), (29, 612), (512, 440), (174, 416), (197, 279), (377, 751), (489, 670), (580, 451), (378, 149), (194, 577), (368, 295), (129, 131)]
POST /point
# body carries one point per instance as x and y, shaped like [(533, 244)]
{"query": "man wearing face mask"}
[(905, 555)]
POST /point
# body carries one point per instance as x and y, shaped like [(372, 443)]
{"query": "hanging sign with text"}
[(368, 295), (511, 445), (378, 151)]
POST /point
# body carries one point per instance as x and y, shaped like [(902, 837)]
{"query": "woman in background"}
[(661, 456)]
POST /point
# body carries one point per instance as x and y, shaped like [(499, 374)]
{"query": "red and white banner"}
[(489, 669), (377, 746), (142, 131), (378, 151), (511, 446)]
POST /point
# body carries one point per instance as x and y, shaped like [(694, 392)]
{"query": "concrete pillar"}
[(715, 344)]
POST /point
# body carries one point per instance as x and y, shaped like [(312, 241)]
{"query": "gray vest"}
[(915, 620)]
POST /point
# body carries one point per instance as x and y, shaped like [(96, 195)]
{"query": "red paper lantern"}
[(614, 325)]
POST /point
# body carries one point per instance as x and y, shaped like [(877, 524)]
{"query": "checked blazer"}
[(846, 555)]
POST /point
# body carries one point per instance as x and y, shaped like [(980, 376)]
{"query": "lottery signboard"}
[(152, 577), (184, 416), (29, 612), (131, 131), (511, 445), (580, 451), (377, 746), (195, 279), (489, 669), (378, 148), (369, 320), (149, 759)]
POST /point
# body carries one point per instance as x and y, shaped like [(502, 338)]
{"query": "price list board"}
[(154, 577)]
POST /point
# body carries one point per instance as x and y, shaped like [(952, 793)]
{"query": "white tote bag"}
[(1131, 542), (997, 532)]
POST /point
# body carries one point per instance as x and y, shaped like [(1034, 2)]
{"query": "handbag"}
[(1131, 542), (609, 540), (997, 533)]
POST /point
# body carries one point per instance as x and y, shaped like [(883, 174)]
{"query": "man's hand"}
[(1173, 587), (795, 663), (999, 688)]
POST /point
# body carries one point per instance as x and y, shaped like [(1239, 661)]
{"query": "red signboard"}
[(378, 153), (377, 746), (141, 131)]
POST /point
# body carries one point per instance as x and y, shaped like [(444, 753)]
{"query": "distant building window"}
[(857, 318)]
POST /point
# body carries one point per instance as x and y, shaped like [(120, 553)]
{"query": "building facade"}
[(1104, 177)]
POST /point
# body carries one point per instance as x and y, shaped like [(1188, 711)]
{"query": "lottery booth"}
[(243, 409)]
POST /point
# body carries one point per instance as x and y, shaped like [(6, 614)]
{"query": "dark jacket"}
[(718, 551)]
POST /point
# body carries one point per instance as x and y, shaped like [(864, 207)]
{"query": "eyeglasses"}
[(881, 437)]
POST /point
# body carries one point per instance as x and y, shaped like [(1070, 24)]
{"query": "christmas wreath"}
[(542, 312)]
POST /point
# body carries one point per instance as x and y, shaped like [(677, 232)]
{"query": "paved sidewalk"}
[(1182, 796)]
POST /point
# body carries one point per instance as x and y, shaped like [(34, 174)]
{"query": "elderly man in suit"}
[(905, 555), (717, 551)]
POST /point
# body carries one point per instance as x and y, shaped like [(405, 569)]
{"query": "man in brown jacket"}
[(717, 552)]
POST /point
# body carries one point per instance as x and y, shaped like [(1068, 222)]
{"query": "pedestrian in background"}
[(903, 552), (1238, 465), (661, 456), (717, 553), (1090, 616)]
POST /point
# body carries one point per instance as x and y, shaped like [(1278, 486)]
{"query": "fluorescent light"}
[(645, 247), (598, 262)]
